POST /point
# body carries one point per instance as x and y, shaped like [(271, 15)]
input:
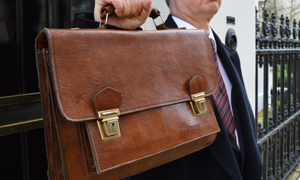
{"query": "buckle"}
[(108, 124), (162, 20), (198, 104)]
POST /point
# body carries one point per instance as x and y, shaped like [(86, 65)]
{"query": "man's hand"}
[(129, 14)]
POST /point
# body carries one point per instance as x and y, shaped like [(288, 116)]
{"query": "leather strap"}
[(106, 99), (110, 10), (197, 84)]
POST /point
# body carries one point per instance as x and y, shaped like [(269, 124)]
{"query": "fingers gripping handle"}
[(110, 10)]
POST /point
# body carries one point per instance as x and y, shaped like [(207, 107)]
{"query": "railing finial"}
[(299, 30), (288, 27), (274, 29), (265, 26), (295, 29), (257, 22), (282, 26)]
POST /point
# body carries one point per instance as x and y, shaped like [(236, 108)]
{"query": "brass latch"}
[(198, 104), (108, 124)]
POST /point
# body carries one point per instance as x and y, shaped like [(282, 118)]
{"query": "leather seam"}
[(44, 107), (53, 102), (62, 147), (155, 106), (135, 110), (49, 91), (137, 159), (54, 155), (130, 111), (58, 123), (82, 151), (95, 149), (164, 162)]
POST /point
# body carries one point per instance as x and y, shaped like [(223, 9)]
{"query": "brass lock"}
[(108, 124), (198, 104)]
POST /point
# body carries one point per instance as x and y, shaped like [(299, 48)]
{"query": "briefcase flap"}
[(148, 68)]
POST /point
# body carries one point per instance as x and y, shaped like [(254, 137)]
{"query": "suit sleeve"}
[(85, 20)]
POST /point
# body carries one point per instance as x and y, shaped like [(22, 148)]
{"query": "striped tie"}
[(221, 99)]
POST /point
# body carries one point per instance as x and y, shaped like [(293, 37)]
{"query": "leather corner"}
[(197, 84), (106, 99)]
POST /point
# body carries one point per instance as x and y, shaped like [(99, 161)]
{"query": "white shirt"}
[(228, 85)]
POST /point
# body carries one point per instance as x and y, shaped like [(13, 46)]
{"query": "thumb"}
[(147, 7), (97, 11)]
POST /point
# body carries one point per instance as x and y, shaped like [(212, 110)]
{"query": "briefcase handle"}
[(109, 10)]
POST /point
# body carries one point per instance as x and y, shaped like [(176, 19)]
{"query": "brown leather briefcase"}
[(117, 103)]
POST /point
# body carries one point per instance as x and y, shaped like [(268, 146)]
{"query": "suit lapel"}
[(246, 122), (239, 128), (170, 22), (221, 151), (227, 63), (235, 81)]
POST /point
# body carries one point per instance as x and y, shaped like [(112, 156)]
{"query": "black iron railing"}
[(278, 121)]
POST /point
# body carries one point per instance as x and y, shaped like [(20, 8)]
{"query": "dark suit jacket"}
[(222, 160)]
